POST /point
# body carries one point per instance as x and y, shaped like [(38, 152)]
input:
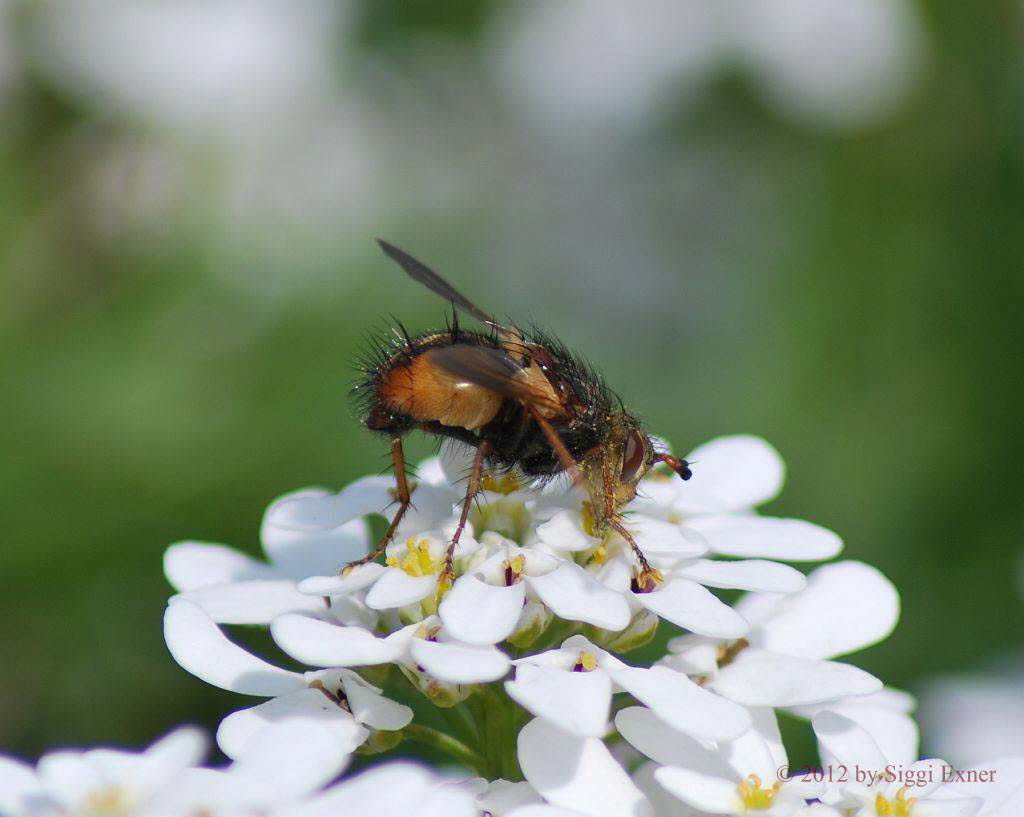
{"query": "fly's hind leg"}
[(475, 476), (402, 495)]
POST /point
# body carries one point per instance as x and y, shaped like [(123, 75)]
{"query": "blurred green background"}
[(802, 220)]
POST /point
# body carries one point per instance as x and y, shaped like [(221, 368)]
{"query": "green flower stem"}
[(454, 747)]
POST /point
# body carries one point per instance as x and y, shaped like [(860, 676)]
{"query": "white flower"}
[(880, 784), (998, 783), (247, 62), (731, 777), (572, 688), (884, 715), (561, 561), (84, 782), (782, 660), (971, 718), (337, 700), (493, 601), (577, 774), (164, 780), (731, 476), (234, 588), (395, 789), (833, 63), (500, 798)]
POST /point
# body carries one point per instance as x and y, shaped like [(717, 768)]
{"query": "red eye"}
[(632, 456)]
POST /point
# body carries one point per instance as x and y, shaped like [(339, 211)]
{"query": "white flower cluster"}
[(520, 657)]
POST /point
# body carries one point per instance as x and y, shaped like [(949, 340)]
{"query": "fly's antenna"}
[(420, 272)]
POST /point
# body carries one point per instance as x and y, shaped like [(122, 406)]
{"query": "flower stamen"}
[(507, 484), (585, 662), (417, 560), (107, 802), (899, 806), (589, 522), (754, 796), (514, 569)]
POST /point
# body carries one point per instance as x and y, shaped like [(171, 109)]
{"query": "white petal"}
[(959, 807), (190, 565), (1002, 787), (303, 707), (479, 613), (847, 742), (356, 579), (18, 783), (456, 459), (301, 553), (251, 602), (500, 796), (694, 607), (759, 750), (714, 794), (431, 471), (394, 789), (315, 511), (564, 532), (574, 594), (683, 704), (322, 644), (663, 744), (542, 810), (846, 606), (198, 644), (370, 707), (748, 535), (288, 760), (762, 678), (577, 773), (576, 702), (68, 777), (396, 588), (432, 507), (656, 537), (665, 805), (750, 574), (884, 716), (732, 473), (459, 663), (166, 759)]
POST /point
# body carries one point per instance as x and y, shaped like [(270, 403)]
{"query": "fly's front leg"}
[(645, 578), (402, 494), (475, 476)]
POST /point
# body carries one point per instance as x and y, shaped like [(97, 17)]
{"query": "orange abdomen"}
[(426, 392)]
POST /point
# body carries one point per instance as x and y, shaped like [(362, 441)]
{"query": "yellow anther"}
[(900, 806), (513, 569), (444, 584), (507, 484), (647, 580), (600, 555), (417, 560), (427, 633), (675, 518), (585, 662), (112, 800), (754, 796), (589, 524)]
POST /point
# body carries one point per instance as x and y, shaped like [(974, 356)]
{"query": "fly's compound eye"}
[(632, 456)]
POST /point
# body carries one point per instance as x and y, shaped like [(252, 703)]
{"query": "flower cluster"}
[(523, 659)]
